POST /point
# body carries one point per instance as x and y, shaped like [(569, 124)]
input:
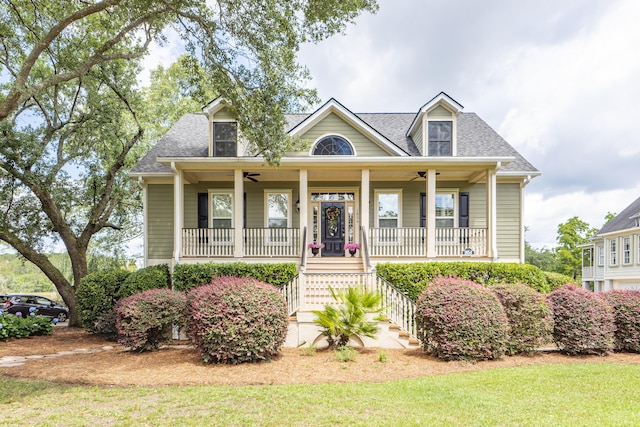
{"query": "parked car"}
[(44, 306)]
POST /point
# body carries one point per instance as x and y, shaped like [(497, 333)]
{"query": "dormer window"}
[(440, 138), (225, 135), (333, 146)]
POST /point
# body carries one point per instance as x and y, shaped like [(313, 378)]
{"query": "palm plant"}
[(350, 317)]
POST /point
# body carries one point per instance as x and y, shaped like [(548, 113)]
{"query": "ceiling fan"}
[(250, 176), (420, 175)]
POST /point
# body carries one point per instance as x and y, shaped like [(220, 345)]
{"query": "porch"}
[(383, 243)]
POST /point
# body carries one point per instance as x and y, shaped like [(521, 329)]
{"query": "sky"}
[(557, 79)]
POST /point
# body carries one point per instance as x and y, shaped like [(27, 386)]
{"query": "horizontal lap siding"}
[(160, 221), (334, 125), (417, 139), (508, 220)]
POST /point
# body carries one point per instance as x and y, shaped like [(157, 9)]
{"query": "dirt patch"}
[(179, 364)]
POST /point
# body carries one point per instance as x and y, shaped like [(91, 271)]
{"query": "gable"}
[(334, 125)]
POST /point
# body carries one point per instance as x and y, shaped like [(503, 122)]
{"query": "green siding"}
[(508, 220), (417, 138), (334, 125), (223, 115), (160, 221), (439, 111)]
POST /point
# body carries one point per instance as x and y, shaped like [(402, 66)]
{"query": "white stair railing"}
[(291, 294), (400, 309)]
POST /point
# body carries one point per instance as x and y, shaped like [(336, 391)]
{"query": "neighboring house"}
[(612, 259), (436, 185)]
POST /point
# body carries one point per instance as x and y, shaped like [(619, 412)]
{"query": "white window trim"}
[(267, 237), (626, 251), (454, 133), (377, 194), (327, 135), (212, 133), (638, 248), (601, 255), (213, 192), (456, 203), (613, 253)]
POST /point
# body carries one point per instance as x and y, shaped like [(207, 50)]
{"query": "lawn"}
[(589, 394)]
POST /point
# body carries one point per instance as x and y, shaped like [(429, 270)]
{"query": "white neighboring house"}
[(612, 259)]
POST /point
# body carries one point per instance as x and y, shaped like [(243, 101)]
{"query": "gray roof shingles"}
[(624, 219), (189, 138)]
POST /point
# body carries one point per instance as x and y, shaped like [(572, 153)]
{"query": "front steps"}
[(303, 332)]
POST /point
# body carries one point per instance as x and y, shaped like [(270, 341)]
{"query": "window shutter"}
[(203, 210), (463, 220)]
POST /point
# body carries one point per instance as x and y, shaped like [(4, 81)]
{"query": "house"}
[(438, 184), (612, 259)]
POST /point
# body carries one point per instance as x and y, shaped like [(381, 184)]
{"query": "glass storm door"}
[(332, 217)]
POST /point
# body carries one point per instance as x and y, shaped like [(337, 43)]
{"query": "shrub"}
[(188, 276), (530, 318), (345, 354), (145, 320), (556, 280), (626, 312), (97, 294), (583, 321), (413, 278), (339, 323), (12, 326), (461, 320), (234, 320), (153, 277)]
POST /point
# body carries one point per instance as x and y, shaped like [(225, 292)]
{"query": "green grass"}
[(553, 395)]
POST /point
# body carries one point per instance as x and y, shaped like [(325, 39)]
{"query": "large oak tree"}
[(72, 119)]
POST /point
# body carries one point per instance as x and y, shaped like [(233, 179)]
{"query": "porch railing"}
[(412, 242), (207, 242), (257, 242), (400, 309), (291, 294), (272, 242)]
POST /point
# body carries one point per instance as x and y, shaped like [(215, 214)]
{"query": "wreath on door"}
[(332, 213)]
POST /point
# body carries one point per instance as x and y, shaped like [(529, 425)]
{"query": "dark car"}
[(44, 306)]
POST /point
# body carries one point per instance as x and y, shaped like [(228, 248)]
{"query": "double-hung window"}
[(278, 217), (440, 138), (626, 250), (388, 214), (222, 215), (601, 255), (225, 135), (613, 260), (445, 210)]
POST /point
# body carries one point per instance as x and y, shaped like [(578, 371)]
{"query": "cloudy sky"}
[(559, 80)]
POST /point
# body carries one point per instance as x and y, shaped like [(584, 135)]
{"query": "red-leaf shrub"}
[(145, 320), (583, 321), (237, 319), (626, 311), (530, 317), (461, 320)]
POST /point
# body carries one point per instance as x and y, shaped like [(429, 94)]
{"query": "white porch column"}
[(145, 216), (178, 212), (364, 200), (238, 211), (491, 215), (304, 201), (431, 213)]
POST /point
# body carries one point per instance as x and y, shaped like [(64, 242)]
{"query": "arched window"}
[(333, 146)]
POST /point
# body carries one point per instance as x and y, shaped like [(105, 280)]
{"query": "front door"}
[(332, 217)]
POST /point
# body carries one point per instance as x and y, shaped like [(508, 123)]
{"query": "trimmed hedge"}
[(461, 320), (145, 320), (237, 319), (188, 276), (529, 315), (413, 278), (96, 295), (583, 321), (626, 311), (153, 277), (556, 280)]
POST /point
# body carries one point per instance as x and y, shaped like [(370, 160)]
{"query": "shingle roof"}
[(624, 220), (189, 138)]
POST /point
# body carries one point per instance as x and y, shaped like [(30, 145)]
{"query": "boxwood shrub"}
[(412, 278), (626, 312), (530, 317), (145, 320), (236, 319), (96, 296), (583, 321), (461, 320), (187, 276), (153, 277), (556, 280)]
